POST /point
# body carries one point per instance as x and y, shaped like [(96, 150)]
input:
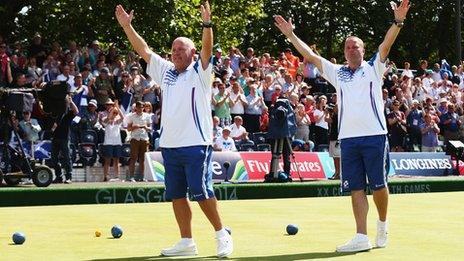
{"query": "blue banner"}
[(420, 164)]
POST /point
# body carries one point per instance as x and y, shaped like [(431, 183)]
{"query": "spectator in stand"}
[(82, 93), (225, 142), (221, 105), (34, 73), (148, 109), (139, 84), (31, 129), (112, 145), (6, 77), (226, 69), (429, 131), (334, 144), (413, 122), (253, 110), (310, 71), (397, 127), (151, 93), (436, 74), (87, 77), (264, 120), (103, 88), (217, 59), (422, 69), (67, 77), (86, 60), (60, 142), (237, 101), (278, 93), (234, 57), (250, 55), (442, 109), (238, 132), (451, 124), (407, 71), (321, 128), (293, 62), (217, 130), (268, 87), (94, 50), (21, 82), (139, 124), (98, 67), (37, 49), (302, 122), (420, 92)]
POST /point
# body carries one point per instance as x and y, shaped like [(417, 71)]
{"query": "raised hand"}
[(400, 11), (205, 12), (286, 27), (124, 19)]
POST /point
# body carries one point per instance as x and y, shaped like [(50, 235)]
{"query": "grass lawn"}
[(422, 227)]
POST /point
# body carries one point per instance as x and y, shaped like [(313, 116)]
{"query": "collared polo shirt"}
[(186, 103), (359, 97)]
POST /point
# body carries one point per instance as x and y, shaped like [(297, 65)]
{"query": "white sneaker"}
[(382, 234), (225, 246), (181, 249), (357, 244), (114, 180)]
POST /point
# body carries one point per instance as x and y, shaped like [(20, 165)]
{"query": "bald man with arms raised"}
[(186, 129)]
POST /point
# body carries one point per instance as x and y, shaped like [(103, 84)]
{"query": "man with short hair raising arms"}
[(186, 129), (364, 145)]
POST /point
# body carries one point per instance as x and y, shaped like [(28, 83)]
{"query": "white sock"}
[(362, 237), (382, 224), (221, 233), (187, 241)]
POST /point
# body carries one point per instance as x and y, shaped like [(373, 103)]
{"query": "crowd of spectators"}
[(423, 107)]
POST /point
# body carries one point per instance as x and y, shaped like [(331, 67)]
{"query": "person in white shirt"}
[(139, 124), (186, 129), (237, 101), (225, 142), (67, 77), (112, 145), (407, 71), (362, 124), (237, 131)]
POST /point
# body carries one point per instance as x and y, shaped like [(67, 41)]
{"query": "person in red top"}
[(264, 120), (293, 62), (277, 93), (5, 69)]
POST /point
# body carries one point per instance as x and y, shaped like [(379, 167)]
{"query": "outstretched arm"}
[(207, 38), (140, 46), (400, 15), (286, 27)]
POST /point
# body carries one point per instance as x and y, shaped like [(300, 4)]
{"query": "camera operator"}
[(334, 144), (60, 141), (282, 126)]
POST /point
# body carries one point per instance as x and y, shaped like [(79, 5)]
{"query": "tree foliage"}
[(429, 32)]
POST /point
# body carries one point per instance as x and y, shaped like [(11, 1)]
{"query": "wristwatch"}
[(207, 24), (398, 23)]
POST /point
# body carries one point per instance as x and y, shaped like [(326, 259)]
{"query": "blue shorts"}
[(364, 159), (111, 151), (188, 169)]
